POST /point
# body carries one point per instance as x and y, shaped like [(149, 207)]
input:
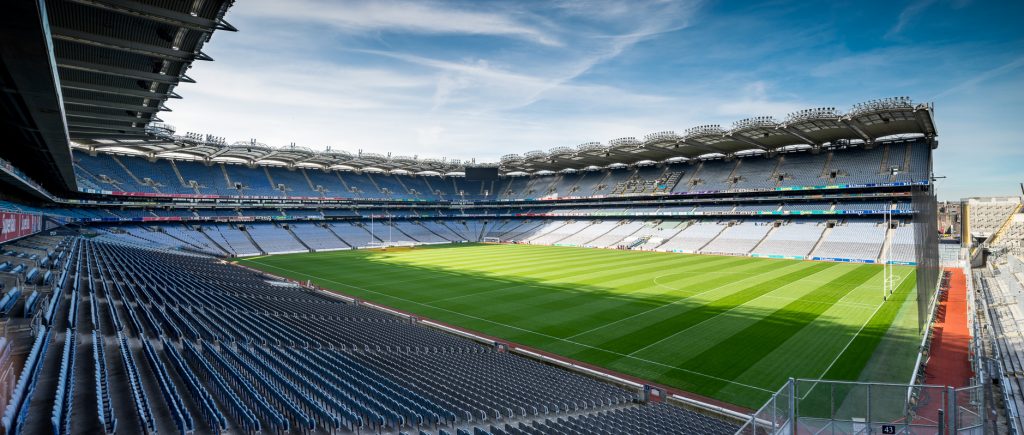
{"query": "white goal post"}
[(492, 240)]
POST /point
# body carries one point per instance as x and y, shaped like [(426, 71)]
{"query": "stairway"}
[(400, 183), (821, 239), (883, 166), (177, 173), (483, 230), (227, 179), (506, 232), (458, 233), (720, 232), (374, 182), (331, 229), (218, 245), (296, 236), (906, 158), (433, 191), (308, 181), (161, 230), (573, 234), (621, 223), (432, 231), (766, 236), (252, 240), (273, 186), (130, 174), (372, 233), (825, 170), (887, 244), (348, 190), (392, 228)]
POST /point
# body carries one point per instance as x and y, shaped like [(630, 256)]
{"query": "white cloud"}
[(912, 10), (425, 17)]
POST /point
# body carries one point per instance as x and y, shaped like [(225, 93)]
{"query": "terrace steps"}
[(826, 169), (227, 179), (621, 223), (906, 158), (694, 176), (251, 240), (214, 243), (522, 230), (270, 179), (177, 173), (766, 236), (132, 175), (539, 235), (719, 234), (400, 183), (821, 239), (298, 239), (343, 183), (453, 228), (426, 180), (330, 229), (369, 232), (886, 244), (483, 230), (592, 223), (431, 231), (882, 166), (675, 232), (308, 181), (160, 229), (369, 176), (507, 231), (601, 182)]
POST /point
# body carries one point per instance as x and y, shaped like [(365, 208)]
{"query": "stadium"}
[(776, 275)]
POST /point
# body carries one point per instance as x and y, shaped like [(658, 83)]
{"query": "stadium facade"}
[(226, 349)]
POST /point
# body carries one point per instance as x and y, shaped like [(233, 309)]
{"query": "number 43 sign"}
[(889, 429)]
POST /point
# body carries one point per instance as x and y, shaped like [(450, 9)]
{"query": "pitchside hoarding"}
[(16, 225)]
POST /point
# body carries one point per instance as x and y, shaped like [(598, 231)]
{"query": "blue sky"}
[(483, 79)]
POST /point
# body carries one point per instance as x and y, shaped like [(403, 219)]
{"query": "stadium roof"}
[(864, 122), (119, 61), (87, 69)]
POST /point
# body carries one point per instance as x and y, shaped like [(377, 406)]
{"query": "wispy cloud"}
[(973, 82), (426, 17), (912, 10), (479, 79)]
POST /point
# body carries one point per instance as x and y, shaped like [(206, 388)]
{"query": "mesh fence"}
[(926, 237)]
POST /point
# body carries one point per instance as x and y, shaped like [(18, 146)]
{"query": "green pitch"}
[(730, 328)]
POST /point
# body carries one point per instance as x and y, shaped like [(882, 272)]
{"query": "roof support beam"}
[(268, 155), (858, 128), (115, 71), (799, 135), (113, 90), (178, 19), (217, 153), (106, 117), (748, 141), (109, 105), (701, 146), (107, 135), (86, 127), (121, 45)]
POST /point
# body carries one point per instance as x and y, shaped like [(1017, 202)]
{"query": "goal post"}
[(492, 240)]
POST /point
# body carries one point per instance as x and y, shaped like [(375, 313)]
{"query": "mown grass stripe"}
[(542, 296), (654, 332), (759, 339)]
